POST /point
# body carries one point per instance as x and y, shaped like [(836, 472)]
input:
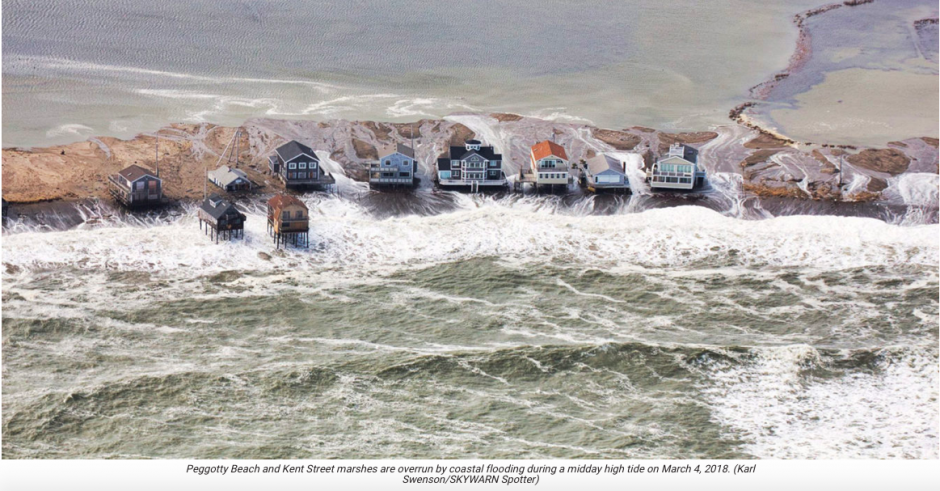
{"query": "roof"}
[(461, 153), (601, 163), (675, 159), (547, 148), (474, 142), (443, 163), (216, 207), (292, 149), (682, 151), (282, 200), (135, 172), (396, 148), (225, 175)]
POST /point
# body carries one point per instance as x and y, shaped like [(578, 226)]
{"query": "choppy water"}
[(118, 67), (501, 328)]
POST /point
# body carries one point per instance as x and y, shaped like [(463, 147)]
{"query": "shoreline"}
[(769, 166)]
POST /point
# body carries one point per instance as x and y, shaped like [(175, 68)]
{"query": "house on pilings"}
[(221, 219), (288, 221)]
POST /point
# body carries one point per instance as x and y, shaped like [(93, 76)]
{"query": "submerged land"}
[(750, 161)]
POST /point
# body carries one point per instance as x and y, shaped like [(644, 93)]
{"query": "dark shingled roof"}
[(294, 148), (280, 201), (216, 207), (443, 163), (135, 172), (461, 153)]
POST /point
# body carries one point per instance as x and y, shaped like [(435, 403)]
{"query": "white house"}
[(549, 163)]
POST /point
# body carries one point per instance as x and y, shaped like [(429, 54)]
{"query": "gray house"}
[(297, 165), (677, 170), (605, 172), (396, 166), (230, 179), (135, 186)]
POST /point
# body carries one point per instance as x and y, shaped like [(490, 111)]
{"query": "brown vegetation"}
[(887, 160), (620, 140)]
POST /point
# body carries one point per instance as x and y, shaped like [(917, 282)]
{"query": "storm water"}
[(503, 327), (119, 67)]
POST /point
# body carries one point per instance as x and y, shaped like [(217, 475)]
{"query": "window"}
[(455, 163), (285, 216), (405, 174), (292, 175), (302, 165), (406, 162), (313, 165), (494, 163), (292, 165), (153, 186), (388, 162), (445, 174), (298, 214), (140, 185)]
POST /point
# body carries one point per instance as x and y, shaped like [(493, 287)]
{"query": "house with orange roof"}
[(549, 164)]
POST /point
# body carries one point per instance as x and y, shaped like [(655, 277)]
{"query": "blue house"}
[(396, 166)]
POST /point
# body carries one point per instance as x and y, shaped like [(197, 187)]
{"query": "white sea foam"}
[(343, 233), (53, 63), (70, 129), (890, 412)]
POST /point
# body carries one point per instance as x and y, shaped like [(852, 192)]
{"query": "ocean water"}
[(118, 67), (502, 328), (872, 77)]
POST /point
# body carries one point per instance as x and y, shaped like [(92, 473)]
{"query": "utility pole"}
[(414, 162), (156, 156), (841, 163)]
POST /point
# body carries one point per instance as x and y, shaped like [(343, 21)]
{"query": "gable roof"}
[(461, 153), (135, 172), (216, 207), (225, 175), (602, 163), (682, 151), (675, 159), (282, 200), (401, 148), (547, 148), (293, 149)]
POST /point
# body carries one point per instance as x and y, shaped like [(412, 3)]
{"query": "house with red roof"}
[(549, 163)]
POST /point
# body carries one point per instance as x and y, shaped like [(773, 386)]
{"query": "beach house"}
[(472, 165), (603, 172), (220, 219), (288, 221), (135, 186), (677, 170), (297, 165), (396, 166), (548, 163), (229, 179)]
